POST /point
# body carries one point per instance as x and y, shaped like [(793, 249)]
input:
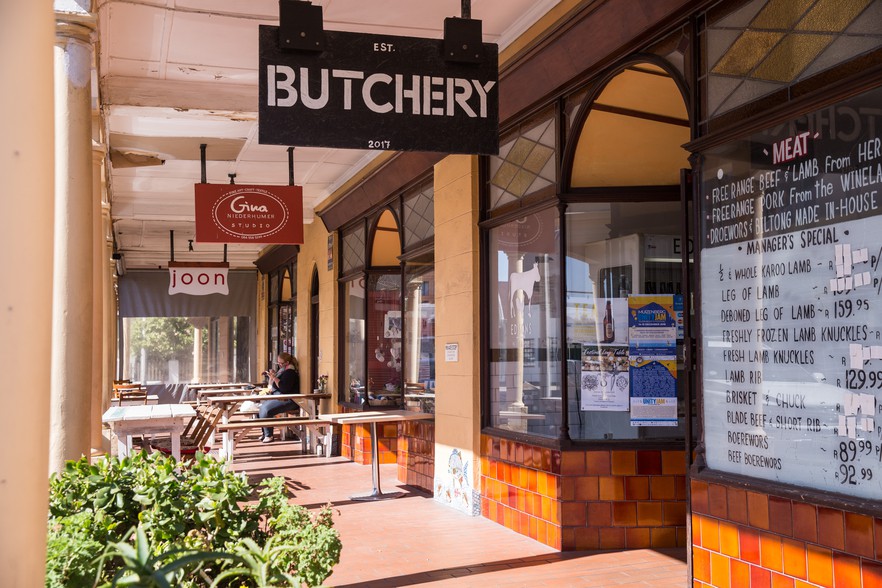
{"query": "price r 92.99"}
[(862, 379), (848, 474)]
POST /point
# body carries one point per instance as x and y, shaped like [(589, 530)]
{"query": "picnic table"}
[(229, 403), (148, 419), (372, 418)]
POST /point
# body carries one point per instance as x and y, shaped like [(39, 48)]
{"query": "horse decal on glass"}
[(522, 282)]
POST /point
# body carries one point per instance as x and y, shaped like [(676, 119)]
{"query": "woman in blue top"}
[(284, 381)]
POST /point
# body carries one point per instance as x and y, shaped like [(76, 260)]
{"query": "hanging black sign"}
[(378, 92)]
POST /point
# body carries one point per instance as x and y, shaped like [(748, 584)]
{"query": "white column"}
[(108, 305), (98, 342), (26, 233), (72, 269)]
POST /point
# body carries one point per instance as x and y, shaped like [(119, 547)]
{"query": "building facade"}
[(712, 155)]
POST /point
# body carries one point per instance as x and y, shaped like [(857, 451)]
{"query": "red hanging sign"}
[(237, 213)]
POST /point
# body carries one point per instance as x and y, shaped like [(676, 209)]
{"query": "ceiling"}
[(174, 74)]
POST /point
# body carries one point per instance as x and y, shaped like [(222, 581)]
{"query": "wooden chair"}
[(132, 396), (198, 435)]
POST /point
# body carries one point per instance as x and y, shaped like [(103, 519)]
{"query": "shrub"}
[(147, 520)]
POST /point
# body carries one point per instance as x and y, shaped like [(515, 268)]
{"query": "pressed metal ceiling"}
[(174, 74)]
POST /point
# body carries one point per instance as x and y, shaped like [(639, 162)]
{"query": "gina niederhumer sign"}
[(377, 92)]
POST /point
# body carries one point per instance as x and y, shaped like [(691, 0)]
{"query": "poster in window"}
[(392, 325), (604, 378), (652, 341)]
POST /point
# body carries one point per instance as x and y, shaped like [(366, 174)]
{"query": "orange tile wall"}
[(356, 443), (416, 454), (754, 540), (410, 444), (585, 499)]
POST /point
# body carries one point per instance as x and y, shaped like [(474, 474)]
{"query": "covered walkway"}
[(415, 541)]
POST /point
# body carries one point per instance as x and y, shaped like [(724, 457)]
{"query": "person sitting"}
[(285, 380)]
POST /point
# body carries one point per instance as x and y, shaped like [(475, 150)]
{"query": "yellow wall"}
[(314, 255), (457, 303)]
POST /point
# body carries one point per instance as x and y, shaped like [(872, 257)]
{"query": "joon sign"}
[(378, 92)]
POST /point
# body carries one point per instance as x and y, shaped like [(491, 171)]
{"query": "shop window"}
[(419, 215), (385, 327), (390, 306), (615, 250), (282, 313), (766, 46), (419, 334), (524, 320), (526, 162)]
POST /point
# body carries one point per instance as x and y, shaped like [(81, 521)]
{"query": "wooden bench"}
[(308, 429)]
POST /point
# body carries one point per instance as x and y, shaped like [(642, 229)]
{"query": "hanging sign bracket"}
[(300, 26), (463, 41)]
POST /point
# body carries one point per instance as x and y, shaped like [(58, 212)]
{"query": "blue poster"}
[(652, 342)]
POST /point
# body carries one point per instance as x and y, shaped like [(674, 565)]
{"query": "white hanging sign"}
[(198, 279)]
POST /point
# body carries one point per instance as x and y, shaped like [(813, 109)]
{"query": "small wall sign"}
[(451, 352)]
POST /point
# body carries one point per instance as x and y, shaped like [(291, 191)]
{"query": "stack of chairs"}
[(129, 394)]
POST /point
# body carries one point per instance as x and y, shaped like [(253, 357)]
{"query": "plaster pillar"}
[(457, 320), (108, 305), (71, 358), (26, 233), (98, 246)]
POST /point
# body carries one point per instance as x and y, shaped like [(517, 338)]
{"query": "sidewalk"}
[(416, 541)]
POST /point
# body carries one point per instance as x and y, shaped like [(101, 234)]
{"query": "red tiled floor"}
[(417, 541)]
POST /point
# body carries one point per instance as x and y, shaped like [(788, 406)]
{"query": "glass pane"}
[(274, 288), (274, 346), (419, 336), (353, 249), (613, 251), (419, 215), (287, 286), (354, 301), (526, 161), (764, 46), (172, 351), (525, 383), (286, 328), (384, 330)]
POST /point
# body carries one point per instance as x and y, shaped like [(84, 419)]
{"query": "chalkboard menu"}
[(792, 301)]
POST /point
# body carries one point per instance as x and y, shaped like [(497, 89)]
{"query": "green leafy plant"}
[(184, 522)]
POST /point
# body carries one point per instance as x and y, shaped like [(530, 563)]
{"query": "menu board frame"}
[(730, 193)]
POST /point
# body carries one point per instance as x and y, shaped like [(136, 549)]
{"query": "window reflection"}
[(419, 336), (614, 250), (525, 383)]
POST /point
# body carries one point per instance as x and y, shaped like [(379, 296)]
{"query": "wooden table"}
[(218, 386), (206, 392), (147, 419), (229, 403), (372, 418)]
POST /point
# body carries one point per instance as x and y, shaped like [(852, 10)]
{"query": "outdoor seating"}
[(199, 433), (132, 396)]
